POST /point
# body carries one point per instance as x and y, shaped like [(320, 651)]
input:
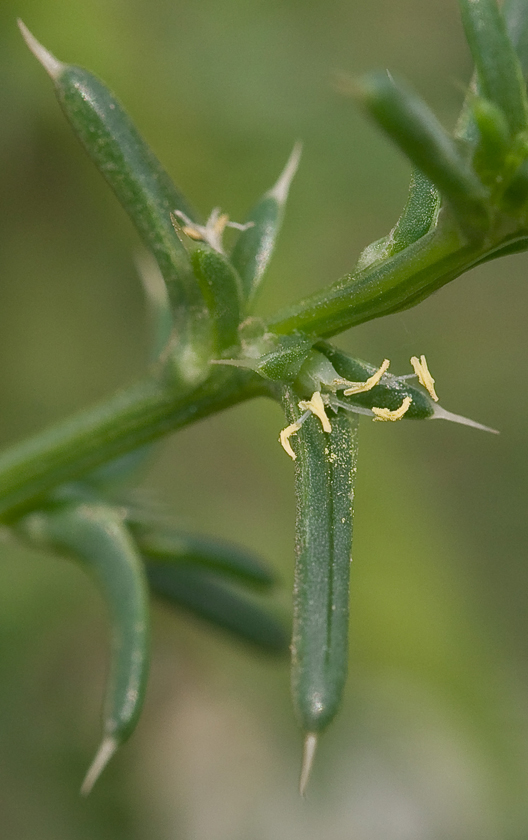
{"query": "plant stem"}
[(152, 408), (394, 284), (132, 417)]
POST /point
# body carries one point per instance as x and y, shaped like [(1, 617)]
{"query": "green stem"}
[(392, 285), (152, 408), (131, 418)]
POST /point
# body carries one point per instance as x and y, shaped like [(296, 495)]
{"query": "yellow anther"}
[(316, 406), (211, 232), (361, 387), (388, 415), (193, 233), (285, 436), (424, 377), (220, 224)]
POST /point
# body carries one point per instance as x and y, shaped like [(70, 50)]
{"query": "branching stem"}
[(150, 409)]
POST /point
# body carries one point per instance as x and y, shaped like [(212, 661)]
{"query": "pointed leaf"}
[(414, 128), (389, 393), (170, 546), (419, 213), (324, 484), (493, 143), (142, 186), (499, 72), (95, 534), (418, 217), (328, 365), (254, 247), (204, 595), (284, 362), (220, 287)]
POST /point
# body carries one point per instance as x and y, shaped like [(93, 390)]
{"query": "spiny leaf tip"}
[(441, 414), (309, 748), (280, 189), (51, 65), (103, 755)]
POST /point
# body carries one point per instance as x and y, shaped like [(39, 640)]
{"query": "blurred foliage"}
[(432, 742)]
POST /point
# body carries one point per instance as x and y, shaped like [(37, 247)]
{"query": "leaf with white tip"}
[(96, 535), (254, 247)]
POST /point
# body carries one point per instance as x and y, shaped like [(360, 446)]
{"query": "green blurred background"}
[(432, 741)]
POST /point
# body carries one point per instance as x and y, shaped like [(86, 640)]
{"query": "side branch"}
[(394, 284)]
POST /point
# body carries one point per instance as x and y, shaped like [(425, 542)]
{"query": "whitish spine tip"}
[(280, 190), (51, 65), (441, 414), (102, 757), (309, 748)]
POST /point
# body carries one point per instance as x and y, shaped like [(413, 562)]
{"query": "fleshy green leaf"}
[(167, 545), (389, 393), (95, 535), (332, 372), (220, 287), (494, 140), (254, 247), (418, 217), (201, 593), (144, 189), (284, 362), (414, 128), (419, 213), (499, 72), (325, 469)]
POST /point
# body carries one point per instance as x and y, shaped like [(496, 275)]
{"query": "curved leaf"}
[(202, 594)]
